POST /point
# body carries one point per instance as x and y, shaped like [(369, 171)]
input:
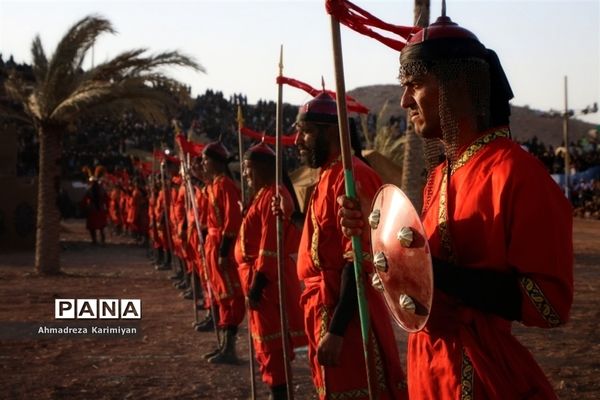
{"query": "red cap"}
[(260, 152), (321, 109), (261, 148), (443, 39), (442, 28), (216, 150)]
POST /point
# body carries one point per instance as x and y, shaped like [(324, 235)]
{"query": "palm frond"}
[(132, 93), (16, 88), (380, 120), (132, 80), (116, 68), (40, 61), (10, 113), (389, 145), (132, 63), (363, 118), (66, 61), (170, 58), (20, 91), (127, 71)]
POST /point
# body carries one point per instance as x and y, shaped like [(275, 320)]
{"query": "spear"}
[(166, 192), (280, 242), (185, 165), (152, 193), (240, 121), (349, 184)]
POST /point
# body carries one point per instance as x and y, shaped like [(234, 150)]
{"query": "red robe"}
[(159, 217), (113, 207), (96, 210), (130, 212), (224, 219), (193, 257), (193, 240), (323, 253), (256, 251), (178, 218), (122, 204), (502, 211), (138, 212), (153, 223)]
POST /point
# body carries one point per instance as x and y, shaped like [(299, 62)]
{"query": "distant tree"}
[(385, 139), (62, 92), (413, 178)]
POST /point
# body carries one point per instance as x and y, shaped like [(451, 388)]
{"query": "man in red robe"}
[(194, 261), (256, 255), (223, 219), (161, 216), (113, 208), (179, 218), (139, 212), (123, 205), (499, 228), (95, 204), (153, 232), (325, 265)]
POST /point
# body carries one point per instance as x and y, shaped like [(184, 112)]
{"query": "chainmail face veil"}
[(462, 75)]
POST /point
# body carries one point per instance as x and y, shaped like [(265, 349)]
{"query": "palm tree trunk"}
[(413, 167), (47, 245)]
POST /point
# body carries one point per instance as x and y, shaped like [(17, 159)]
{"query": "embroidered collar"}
[(478, 145)]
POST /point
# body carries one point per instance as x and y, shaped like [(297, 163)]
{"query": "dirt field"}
[(164, 359)]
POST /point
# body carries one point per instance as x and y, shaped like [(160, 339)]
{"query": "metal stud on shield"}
[(403, 269)]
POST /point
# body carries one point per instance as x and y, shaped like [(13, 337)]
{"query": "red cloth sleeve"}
[(230, 201), (367, 183), (267, 254), (540, 245)]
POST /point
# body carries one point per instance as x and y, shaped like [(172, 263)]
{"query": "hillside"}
[(525, 122)]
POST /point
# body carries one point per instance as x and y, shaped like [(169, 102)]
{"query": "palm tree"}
[(62, 93), (385, 140), (413, 176)]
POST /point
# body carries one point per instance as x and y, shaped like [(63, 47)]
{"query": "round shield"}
[(401, 258)]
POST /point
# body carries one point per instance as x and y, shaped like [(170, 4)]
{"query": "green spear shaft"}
[(349, 184)]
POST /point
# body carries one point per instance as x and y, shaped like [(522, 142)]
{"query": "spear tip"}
[(240, 116), (280, 60)]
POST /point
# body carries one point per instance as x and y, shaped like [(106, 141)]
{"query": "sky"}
[(539, 42)]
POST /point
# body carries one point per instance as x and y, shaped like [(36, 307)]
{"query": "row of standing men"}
[(498, 227)]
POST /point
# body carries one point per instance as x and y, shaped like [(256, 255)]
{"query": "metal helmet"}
[(216, 150), (260, 151), (321, 109), (449, 51)]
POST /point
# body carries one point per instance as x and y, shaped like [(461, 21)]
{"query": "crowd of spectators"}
[(584, 154), (109, 141), (584, 170)]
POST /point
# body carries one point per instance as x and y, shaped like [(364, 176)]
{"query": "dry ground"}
[(163, 361)]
